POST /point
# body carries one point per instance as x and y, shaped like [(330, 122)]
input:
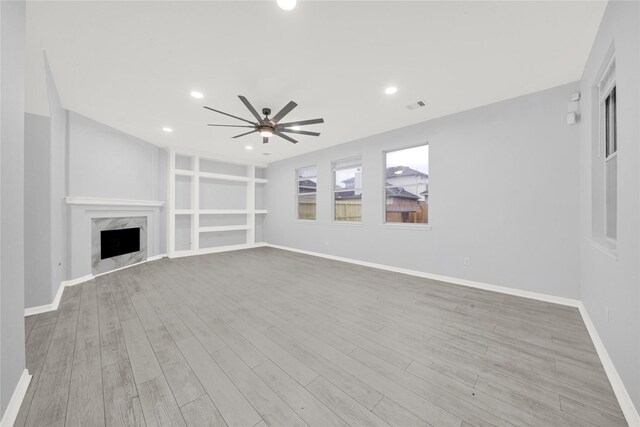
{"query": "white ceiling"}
[(131, 65)]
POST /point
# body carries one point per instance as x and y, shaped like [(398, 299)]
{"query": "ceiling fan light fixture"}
[(266, 132), (287, 4)]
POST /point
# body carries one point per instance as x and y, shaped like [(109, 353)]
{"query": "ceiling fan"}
[(269, 126)]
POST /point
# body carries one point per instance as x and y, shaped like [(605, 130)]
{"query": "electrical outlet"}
[(466, 262)]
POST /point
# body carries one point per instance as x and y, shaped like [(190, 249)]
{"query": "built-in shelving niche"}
[(214, 205)]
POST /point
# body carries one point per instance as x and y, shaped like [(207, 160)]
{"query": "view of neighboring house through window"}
[(306, 184), (608, 126), (347, 189), (407, 185)]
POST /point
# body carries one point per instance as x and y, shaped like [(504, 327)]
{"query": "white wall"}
[(609, 284), (503, 182), (12, 357)]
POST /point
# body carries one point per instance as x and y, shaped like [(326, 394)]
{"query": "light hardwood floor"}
[(268, 337)]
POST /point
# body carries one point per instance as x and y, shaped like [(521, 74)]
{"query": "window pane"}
[(307, 186), (348, 178), (307, 206), (348, 206), (407, 185), (308, 172)]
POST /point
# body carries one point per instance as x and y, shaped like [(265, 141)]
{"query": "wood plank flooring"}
[(265, 337)]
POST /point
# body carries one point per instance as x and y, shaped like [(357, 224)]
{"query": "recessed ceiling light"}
[(391, 90), (287, 4), (166, 129), (197, 95), (248, 147)]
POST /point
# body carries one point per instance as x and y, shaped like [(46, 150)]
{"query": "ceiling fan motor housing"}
[(266, 111)]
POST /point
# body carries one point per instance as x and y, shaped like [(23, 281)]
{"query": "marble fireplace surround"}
[(99, 265), (83, 210)]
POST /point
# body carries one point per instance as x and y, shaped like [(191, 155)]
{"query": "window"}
[(347, 189), (407, 185), (609, 142), (306, 189)]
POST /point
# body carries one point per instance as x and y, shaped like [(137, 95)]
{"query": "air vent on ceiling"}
[(416, 105)]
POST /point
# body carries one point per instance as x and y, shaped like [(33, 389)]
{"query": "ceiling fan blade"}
[(301, 132), (286, 110), (265, 139), (281, 135), (232, 126), (247, 104), (243, 134), (230, 115), (301, 123)]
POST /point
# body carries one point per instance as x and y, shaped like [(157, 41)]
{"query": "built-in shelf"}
[(223, 228), (227, 178), (223, 211), (224, 177), (95, 201)]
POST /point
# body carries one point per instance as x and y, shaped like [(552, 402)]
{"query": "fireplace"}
[(117, 242)]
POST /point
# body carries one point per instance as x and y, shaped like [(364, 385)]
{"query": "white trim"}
[(30, 311), (95, 201), (454, 280), (215, 228), (624, 400), (406, 226), (17, 397), (223, 177)]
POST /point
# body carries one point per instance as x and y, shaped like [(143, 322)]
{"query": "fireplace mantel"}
[(95, 201)]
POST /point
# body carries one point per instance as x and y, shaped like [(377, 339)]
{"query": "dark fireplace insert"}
[(119, 242)]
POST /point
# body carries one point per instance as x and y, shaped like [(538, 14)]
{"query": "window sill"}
[(406, 225), (605, 246), (307, 221), (347, 223)]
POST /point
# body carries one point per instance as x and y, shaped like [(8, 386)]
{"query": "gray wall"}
[(57, 185), (12, 38), (37, 213), (107, 163), (503, 182), (608, 284), (70, 154)]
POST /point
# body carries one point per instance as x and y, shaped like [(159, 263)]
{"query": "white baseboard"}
[(182, 254), (464, 282), (156, 257), (30, 311), (626, 404), (13, 407)]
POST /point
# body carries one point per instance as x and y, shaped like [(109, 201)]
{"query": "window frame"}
[(385, 223), (297, 192), (334, 169), (607, 89)]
